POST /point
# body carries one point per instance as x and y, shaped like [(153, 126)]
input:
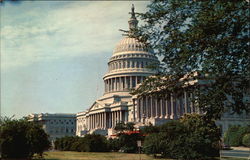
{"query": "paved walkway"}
[(241, 148), (237, 152)]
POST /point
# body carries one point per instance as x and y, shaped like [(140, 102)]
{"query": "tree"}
[(22, 139), (208, 37), (128, 142), (192, 137), (234, 135)]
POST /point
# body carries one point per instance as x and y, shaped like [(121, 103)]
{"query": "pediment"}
[(96, 105)]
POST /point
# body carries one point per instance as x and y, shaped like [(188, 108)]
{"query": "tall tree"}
[(208, 37), (22, 139)]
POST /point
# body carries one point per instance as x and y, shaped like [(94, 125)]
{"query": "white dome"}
[(129, 44)]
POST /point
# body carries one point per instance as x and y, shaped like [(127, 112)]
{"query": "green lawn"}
[(59, 155), (66, 155)]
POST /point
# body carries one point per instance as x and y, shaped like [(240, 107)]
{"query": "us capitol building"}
[(127, 68)]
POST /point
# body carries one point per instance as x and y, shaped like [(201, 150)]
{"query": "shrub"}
[(191, 137), (114, 144), (246, 140), (88, 143)]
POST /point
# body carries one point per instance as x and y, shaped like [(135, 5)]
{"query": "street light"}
[(139, 148)]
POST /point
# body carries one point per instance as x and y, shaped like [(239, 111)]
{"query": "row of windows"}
[(128, 64), (132, 55), (61, 122), (62, 130)]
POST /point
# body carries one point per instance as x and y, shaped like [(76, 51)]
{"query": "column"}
[(115, 112), (116, 84), (146, 106), (181, 105), (131, 82), (93, 121), (138, 109), (126, 116), (119, 83), (92, 117), (151, 106), (120, 115), (105, 120), (185, 102), (133, 110), (173, 107), (112, 84), (122, 83), (110, 119), (100, 120), (191, 103), (126, 82), (108, 85), (156, 108), (166, 108), (161, 108), (136, 80), (90, 122), (113, 119)]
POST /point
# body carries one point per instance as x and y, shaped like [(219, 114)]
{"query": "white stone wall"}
[(56, 125)]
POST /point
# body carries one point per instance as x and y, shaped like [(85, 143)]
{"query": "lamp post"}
[(139, 148)]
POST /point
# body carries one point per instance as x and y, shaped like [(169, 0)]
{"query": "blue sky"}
[(54, 54)]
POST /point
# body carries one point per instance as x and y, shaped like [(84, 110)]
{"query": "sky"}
[(54, 54)]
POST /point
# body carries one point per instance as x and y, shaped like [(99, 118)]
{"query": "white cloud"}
[(76, 29)]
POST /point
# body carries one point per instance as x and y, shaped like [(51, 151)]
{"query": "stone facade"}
[(56, 125)]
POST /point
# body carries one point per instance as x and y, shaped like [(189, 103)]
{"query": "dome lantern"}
[(132, 21)]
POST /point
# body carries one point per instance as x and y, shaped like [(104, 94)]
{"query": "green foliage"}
[(234, 135), (152, 144), (114, 144), (88, 143), (150, 129), (130, 126), (128, 142), (191, 137), (246, 140), (120, 127), (22, 139), (210, 37)]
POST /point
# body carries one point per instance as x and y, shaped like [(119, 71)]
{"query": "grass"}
[(66, 155)]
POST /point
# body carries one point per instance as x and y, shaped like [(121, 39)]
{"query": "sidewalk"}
[(241, 148)]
